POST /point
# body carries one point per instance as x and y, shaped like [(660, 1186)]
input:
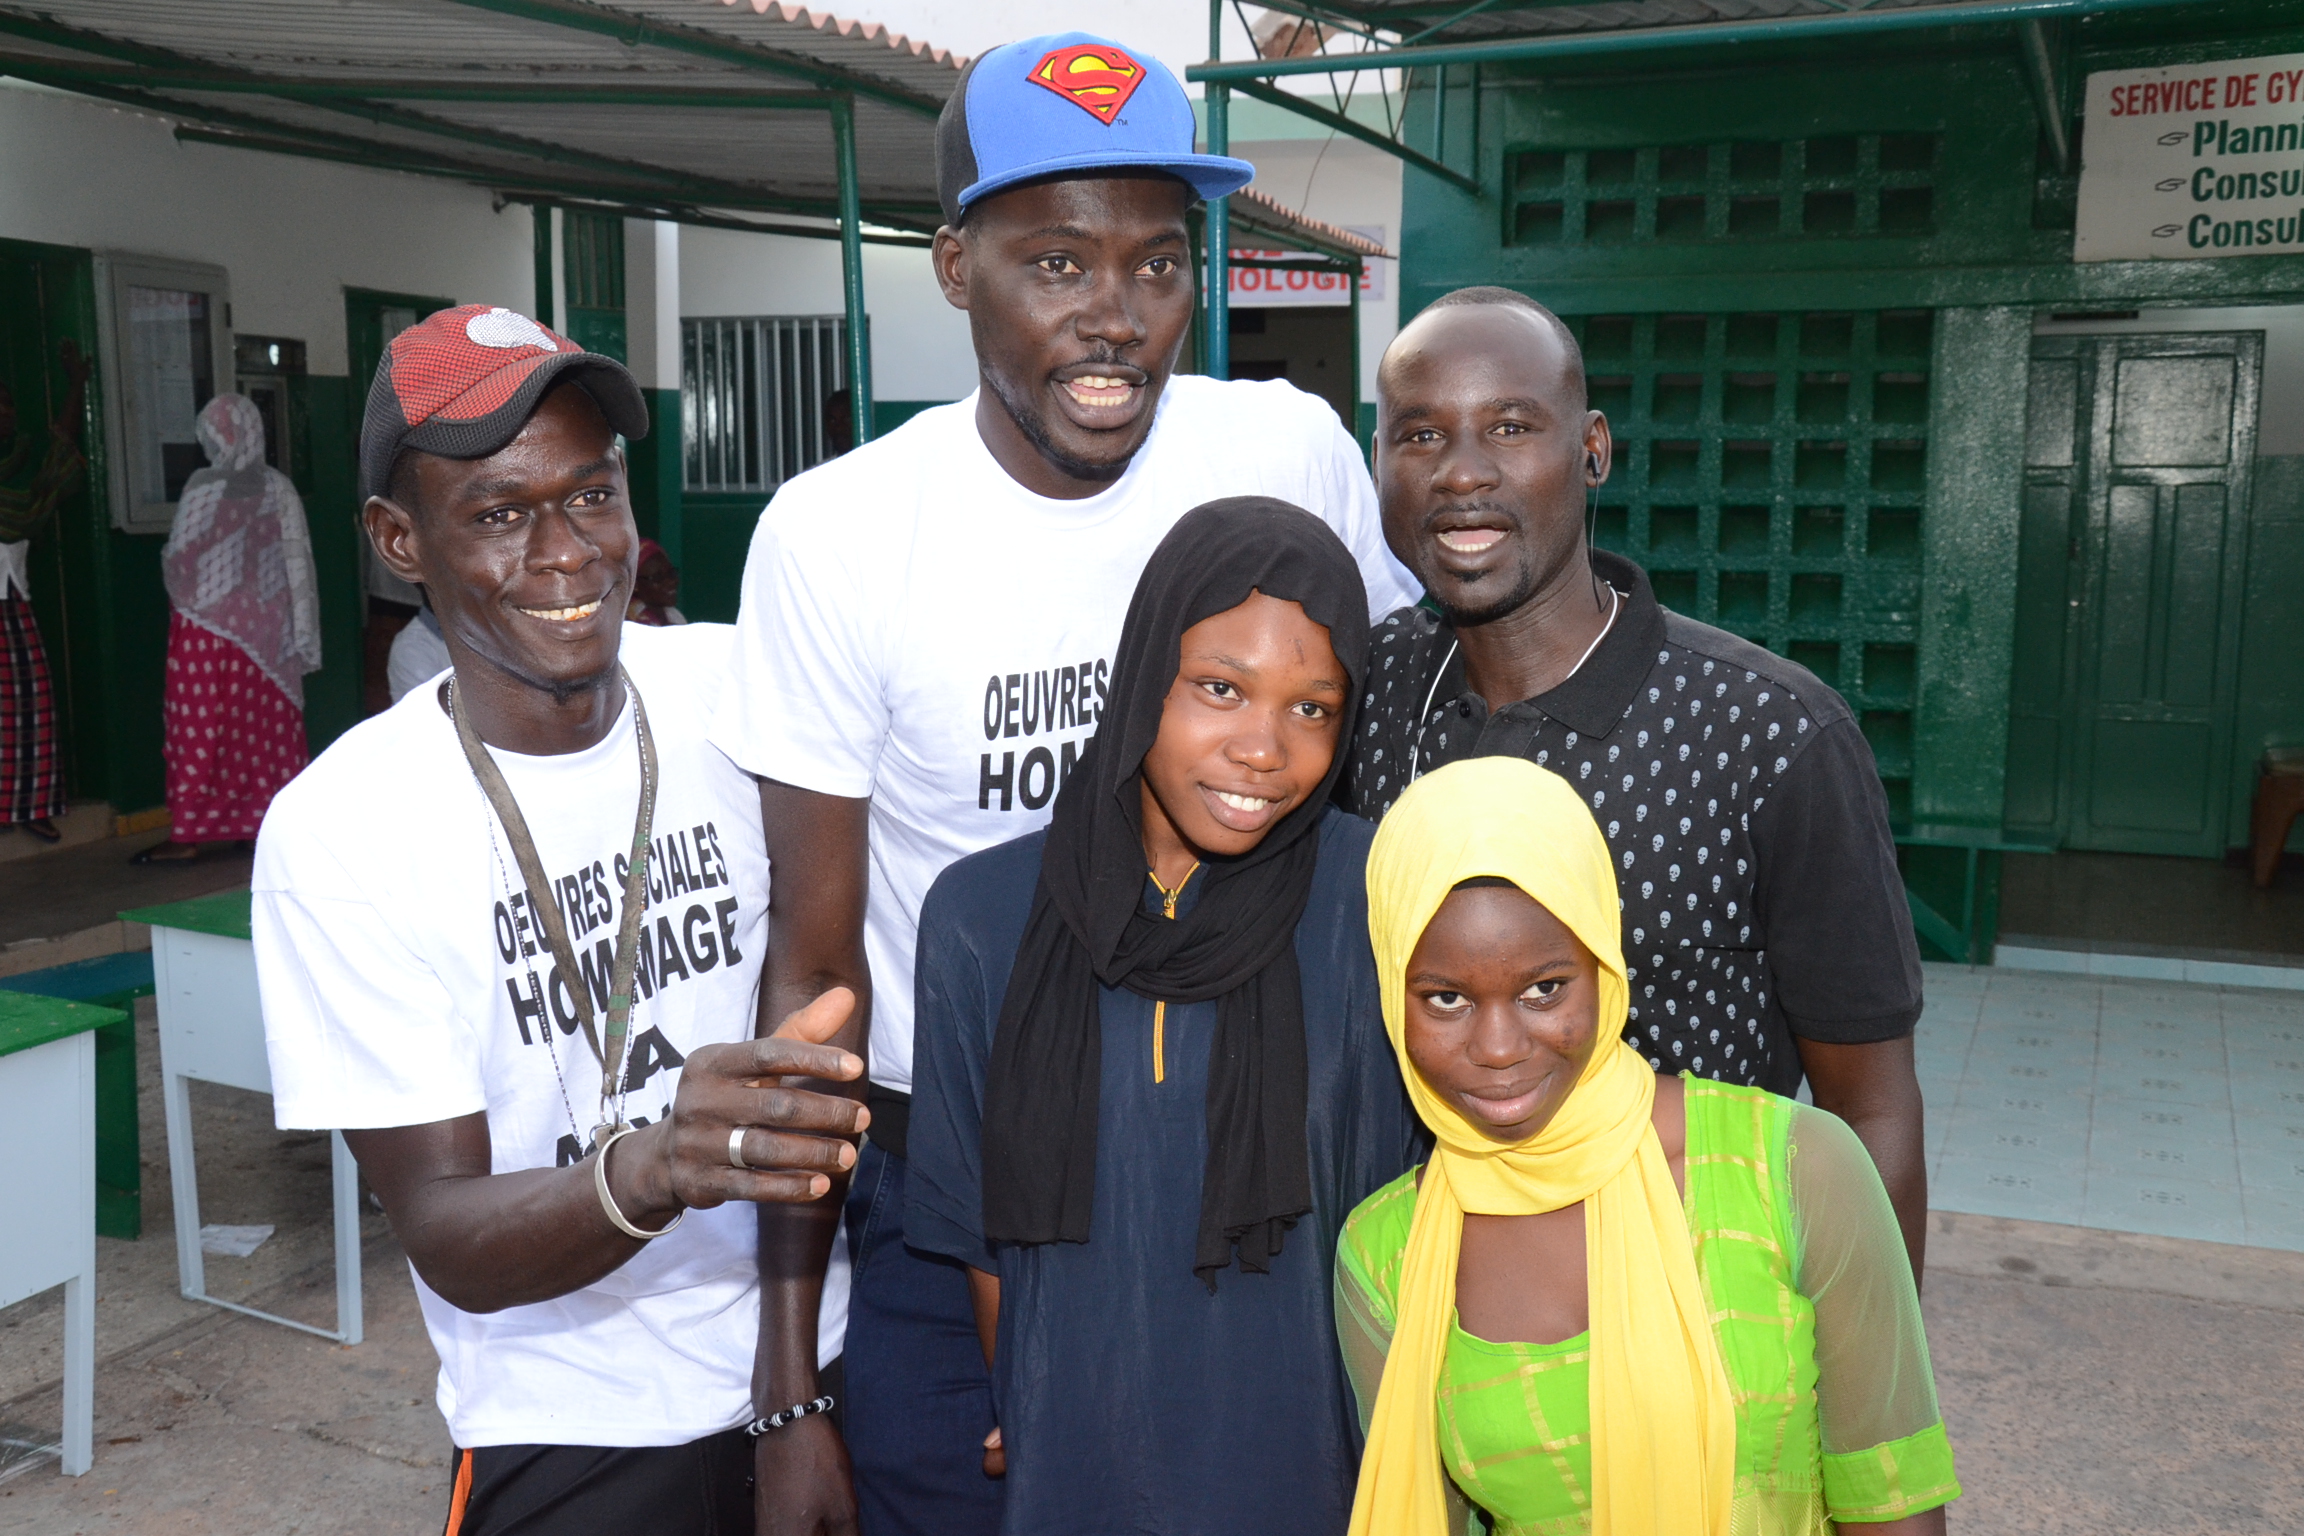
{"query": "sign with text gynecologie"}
[(1268, 288), (2192, 161)]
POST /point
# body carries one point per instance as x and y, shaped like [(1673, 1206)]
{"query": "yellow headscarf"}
[(1663, 1432)]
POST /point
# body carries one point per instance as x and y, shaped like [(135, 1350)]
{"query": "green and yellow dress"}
[(1812, 1303)]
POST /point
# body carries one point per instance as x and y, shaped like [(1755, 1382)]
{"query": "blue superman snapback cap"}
[(1070, 101)]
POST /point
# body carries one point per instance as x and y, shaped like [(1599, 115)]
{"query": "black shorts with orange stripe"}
[(703, 1488)]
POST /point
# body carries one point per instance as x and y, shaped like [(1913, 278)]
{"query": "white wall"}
[(292, 233), (2280, 415), (920, 345), (652, 302), (1340, 181)]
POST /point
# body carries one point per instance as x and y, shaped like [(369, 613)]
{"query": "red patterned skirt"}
[(232, 738), (31, 766)]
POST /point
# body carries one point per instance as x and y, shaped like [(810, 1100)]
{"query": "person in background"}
[(656, 588), (1765, 924), (1150, 1073), (244, 629), (1615, 1300), (31, 485), (926, 637), (419, 653), (839, 424)]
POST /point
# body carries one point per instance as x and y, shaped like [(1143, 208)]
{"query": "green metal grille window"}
[(1842, 185), (1771, 476)]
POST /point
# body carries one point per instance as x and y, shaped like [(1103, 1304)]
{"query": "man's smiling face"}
[(1079, 295), (1484, 453), (527, 555)]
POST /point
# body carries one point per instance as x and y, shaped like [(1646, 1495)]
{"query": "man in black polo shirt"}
[(1765, 926)]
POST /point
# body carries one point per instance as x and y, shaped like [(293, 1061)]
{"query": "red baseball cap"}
[(463, 382)]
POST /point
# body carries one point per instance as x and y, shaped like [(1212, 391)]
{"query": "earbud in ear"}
[(1592, 467)]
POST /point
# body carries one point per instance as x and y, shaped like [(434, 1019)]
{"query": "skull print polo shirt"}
[(1754, 862)]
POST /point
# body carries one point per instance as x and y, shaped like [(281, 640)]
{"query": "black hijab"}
[(1236, 944)]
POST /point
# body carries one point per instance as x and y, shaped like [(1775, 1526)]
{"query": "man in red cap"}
[(509, 936)]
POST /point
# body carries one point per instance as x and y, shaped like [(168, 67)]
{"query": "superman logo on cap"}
[(1095, 77)]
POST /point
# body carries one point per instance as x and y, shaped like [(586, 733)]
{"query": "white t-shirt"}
[(404, 982), (919, 628)]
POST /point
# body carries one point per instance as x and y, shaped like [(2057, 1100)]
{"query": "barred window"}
[(752, 396)]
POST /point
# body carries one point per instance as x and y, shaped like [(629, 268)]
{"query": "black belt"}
[(891, 1117)]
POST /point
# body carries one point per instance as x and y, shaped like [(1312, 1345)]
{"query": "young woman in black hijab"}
[(1150, 1075)]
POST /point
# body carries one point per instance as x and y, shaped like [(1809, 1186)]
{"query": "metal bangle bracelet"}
[(736, 1149), (608, 1201)]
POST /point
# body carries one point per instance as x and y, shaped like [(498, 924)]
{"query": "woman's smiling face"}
[(1248, 730), (1503, 1004)]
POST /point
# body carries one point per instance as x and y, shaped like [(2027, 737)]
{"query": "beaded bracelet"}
[(791, 1415)]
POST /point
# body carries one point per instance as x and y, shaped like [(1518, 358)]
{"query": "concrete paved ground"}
[(2087, 1395), (250, 1174), (63, 890), (2095, 1383), (228, 1426)]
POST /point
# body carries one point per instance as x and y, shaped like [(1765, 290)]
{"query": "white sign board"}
[(2193, 161), (1269, 288)]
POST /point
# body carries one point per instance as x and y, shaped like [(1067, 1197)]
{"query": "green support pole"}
[(1196, 239), (1219, 242), (1352, 278), (543, 315), (852, 271)]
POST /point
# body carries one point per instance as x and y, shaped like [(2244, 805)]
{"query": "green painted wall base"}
[(717, 530), (888, 415)]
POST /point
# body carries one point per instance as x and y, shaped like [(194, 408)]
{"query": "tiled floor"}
[(2138, 1106)]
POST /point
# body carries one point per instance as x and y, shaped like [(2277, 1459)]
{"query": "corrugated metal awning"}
[(672, 105)]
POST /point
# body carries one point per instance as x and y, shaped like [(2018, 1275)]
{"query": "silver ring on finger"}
[(736, 1149)]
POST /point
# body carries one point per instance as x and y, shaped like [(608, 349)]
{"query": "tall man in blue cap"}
[(929, 621)]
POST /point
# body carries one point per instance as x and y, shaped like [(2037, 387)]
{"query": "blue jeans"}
[(919, 1399)]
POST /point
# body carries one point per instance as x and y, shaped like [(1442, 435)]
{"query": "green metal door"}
[(595, 276), (2133, 550), (2042, 685)]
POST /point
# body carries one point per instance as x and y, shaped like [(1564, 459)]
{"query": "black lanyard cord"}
[(609, 1052)]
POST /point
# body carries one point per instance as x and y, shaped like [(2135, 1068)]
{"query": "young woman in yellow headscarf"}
[(1612, 1302)]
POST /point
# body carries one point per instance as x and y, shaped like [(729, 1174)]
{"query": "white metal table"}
[(212, 1028)]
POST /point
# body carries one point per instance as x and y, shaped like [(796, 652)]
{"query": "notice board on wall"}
[(2192, 161)]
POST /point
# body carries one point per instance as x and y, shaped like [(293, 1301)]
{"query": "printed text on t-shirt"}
[(680, 863), (1026, 704)]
